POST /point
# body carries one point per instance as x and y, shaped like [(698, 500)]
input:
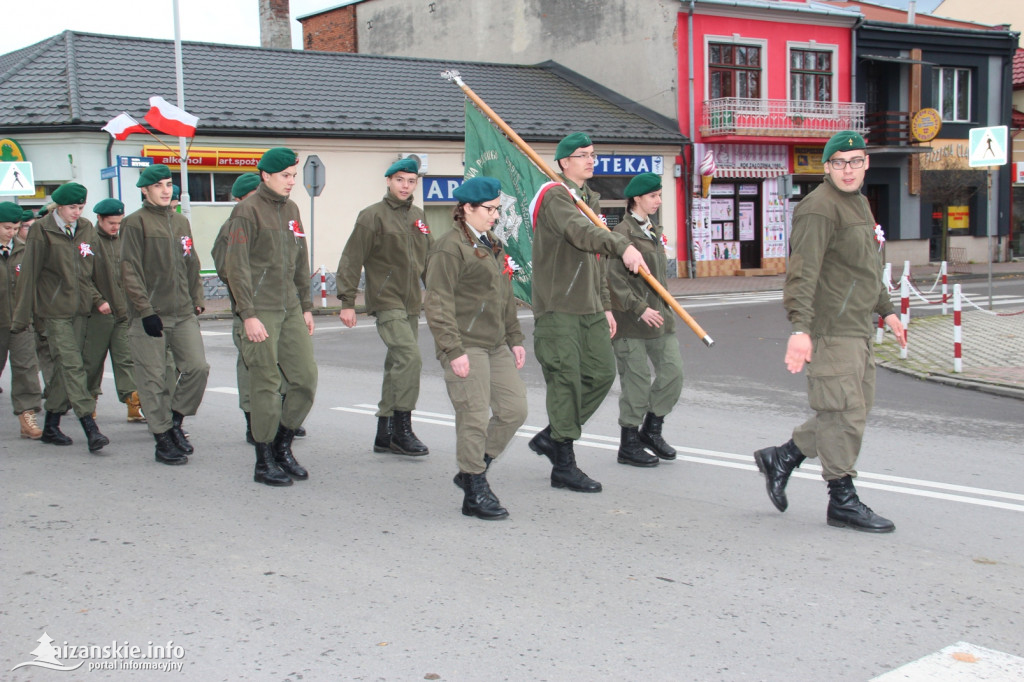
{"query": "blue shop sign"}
[(439, 188), (628, 164)]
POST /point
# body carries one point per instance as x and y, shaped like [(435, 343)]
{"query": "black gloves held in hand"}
[(153, 325)]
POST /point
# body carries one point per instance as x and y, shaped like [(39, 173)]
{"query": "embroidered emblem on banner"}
[(85, 250), (186, 245), (879, 236), (295, 228), (422, 227)]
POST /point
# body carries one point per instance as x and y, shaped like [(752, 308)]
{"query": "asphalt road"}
[(369, 571)]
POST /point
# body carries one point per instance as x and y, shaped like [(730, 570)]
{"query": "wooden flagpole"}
[(453, 76)]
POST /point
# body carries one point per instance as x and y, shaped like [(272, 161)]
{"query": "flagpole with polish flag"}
[(123, 125), (186, 203)]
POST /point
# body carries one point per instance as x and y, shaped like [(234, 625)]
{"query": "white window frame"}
[(937, 95), (761, 43)]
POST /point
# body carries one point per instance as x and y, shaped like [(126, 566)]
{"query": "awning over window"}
[(896, 60)]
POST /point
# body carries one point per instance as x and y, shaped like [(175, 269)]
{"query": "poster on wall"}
[(701, 228), (716, 230), (725, 251), (746, 221), (773, 237), (721, 209)]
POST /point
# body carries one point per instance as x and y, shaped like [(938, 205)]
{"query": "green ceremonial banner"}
[(491, 154)]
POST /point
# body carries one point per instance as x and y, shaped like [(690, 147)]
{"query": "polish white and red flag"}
[(170, 119), (123, 125)]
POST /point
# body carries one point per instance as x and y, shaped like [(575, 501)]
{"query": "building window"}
[(951, 90), (810, 75), (207, 188), (734, 70)]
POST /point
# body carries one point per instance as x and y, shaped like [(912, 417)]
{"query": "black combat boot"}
[(460, 478), (845, 510), (51, 430), (650, 435), (543, 444), (248, 429), (632, 452), (480, 501), (267, 471), (403, 440), (283, 454), (166, 451), (177, 435), (777, 463), (382, 442), (300, 432), (92, 432), (566, 474)]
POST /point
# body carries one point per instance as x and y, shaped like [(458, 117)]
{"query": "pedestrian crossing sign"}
[(987, 146), (16, 178)]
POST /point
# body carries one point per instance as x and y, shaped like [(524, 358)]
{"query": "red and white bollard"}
[(905, 310), (323, 286), (958, 363), (945, 291), (906, 269)]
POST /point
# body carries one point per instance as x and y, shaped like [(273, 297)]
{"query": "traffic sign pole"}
[(988, 147), (313, 178)]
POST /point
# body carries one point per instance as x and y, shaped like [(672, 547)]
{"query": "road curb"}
[(946, 380)]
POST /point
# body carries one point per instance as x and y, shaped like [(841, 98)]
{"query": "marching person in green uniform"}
[(390, 242), (645, 332), (107, 331), (55, 285), (267, 267), (833, 285), (160, 273), (18, 348), (472, 316), (572, 308)]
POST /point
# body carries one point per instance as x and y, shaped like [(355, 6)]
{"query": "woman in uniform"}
[(645, 333), (472, 315)]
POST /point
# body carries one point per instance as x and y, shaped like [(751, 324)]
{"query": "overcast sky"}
[(234, 22)]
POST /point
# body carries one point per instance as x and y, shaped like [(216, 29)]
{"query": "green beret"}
[(27, 215), (10, 212), (175, 192), (571, 143), (406, 165), (42, 211), (70, 193), (477, 190), (277, 159), (645, 183), (245, 183), (153, 174), (109, 207), (844, 141)]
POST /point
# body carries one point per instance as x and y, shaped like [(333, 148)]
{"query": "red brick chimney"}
[(332, 30)]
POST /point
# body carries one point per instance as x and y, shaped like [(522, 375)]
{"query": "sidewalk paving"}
[(992, 345)]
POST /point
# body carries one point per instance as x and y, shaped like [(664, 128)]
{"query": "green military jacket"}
[(106, 274), (56, 273), (219, 251), (390, 241), (469, 298), (159, 265), (9, 270), (630, 294), (567, 276), (834, 277), (266, 260)]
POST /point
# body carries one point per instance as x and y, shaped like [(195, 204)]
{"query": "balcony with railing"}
[(785, 118)]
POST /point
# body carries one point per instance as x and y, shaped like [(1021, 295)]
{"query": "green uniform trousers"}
[(841, 390), (400, 389), (104, 334), (638, 395), (159, 393), (287, 350), (575, 354), (43, 358), (241, 371), (68, 388), (20, 350), (490, 405)]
